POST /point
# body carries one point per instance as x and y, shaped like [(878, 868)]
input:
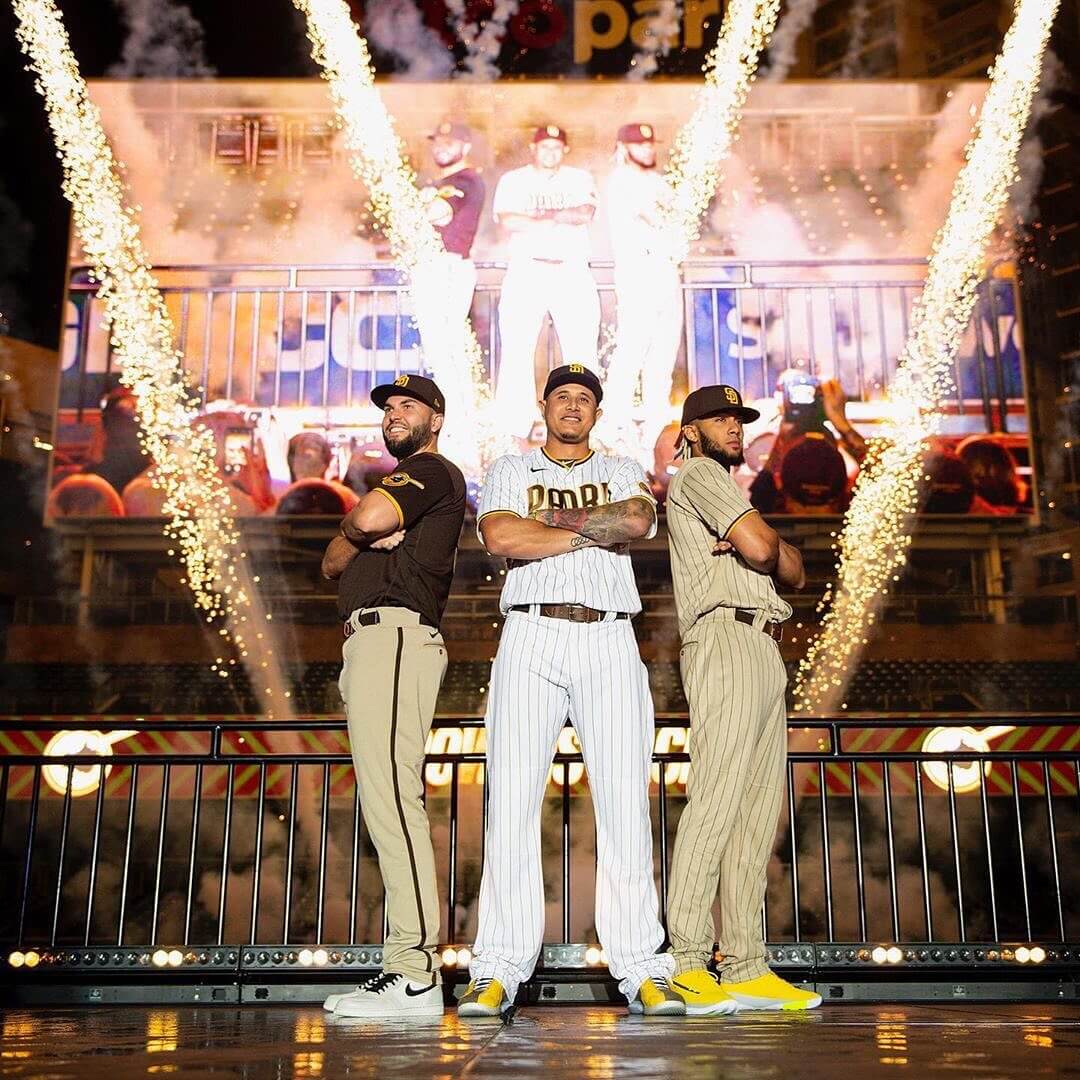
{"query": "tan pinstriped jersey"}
[(703, 505)]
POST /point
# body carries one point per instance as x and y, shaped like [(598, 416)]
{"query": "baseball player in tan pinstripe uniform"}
[(726, 563)]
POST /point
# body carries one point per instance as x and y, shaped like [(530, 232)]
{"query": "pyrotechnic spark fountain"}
[(197, 504), (877, 530), (705, 139), (378, 161)]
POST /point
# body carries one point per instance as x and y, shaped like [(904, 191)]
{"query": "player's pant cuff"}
[(660, 966), (488, 967)]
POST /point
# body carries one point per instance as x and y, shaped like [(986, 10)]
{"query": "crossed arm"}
[(374, 522), (761, 549), (568, 215), (555, 532)]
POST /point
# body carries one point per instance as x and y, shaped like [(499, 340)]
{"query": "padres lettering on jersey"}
[(704, 503), (596, 577)]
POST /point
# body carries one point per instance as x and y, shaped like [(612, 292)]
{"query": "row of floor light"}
[(554, 956)]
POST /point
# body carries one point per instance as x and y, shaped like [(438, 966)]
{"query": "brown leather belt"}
[(578, 613), (371, 618), (775, 630)]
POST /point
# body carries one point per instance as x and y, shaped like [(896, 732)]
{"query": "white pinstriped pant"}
[(545, 670)]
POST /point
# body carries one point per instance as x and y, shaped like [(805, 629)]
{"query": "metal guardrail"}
[(321, 336), (226, 833)]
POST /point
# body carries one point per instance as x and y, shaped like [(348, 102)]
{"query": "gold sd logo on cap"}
[(646, 131), (552, 130), (402, 380), (731, 395), (577, 369)]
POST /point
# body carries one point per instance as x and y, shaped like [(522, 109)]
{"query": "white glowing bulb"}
[(449, 957), (592, 955), (320, 958), (160, 958), (879, 955), (306, 957)]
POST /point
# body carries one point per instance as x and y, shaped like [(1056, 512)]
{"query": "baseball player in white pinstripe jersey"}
[(726, 563), (563, 516)]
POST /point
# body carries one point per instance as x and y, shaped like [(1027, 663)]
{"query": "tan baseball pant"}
[(389, 682), (734, 680)]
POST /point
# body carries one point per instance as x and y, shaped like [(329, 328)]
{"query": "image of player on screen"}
[(453, 199), (545, 207), (647, 292)]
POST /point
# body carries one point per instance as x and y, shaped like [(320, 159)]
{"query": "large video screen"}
[(288, 309)]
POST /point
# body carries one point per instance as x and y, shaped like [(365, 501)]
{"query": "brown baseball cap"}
[(415, 386), (711, 401), (578, 374), (452, 130), (549, 131), (636, 133)]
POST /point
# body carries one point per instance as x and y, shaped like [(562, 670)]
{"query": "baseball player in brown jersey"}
[(726, 564)]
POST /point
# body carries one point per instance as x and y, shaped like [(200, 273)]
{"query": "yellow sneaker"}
[(656, 998), (483, 997), (770, 993), (703, 994)]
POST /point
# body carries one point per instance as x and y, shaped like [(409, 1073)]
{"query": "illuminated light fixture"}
[(1023, 954), (175, 958), (592, 955), (449, 957), (877, 532), (1037, 954), (603, 956), (84, 779), (160, 958), (320, 957), (306, 957), (952, 740), (893, 954), (17, 959), (880, 954), (464, 956)]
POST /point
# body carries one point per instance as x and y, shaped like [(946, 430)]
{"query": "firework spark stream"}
[(197, 503), (873, 545), (705, 139), (378, 160)]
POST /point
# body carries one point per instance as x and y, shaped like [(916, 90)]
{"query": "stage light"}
[(320, 957), (449, 957), (306, 957), (878, 526), (893, 954), (592, 955), (160, 958), (879, 955), (175, 958), (17, 959), (1023, 954), (464, 957), (1037, 955)]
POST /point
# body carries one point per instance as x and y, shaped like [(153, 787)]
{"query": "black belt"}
[(578, 613), (775, 630), (371, 618)]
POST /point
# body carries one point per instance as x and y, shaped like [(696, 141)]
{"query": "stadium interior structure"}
[(924, 849)]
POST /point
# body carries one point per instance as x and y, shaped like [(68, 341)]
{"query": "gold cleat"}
[(770, 993), (483, 997), (703, 994)]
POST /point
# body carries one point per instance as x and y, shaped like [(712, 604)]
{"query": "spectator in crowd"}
[(994, 473), (317, 496), (813, 477), (947, 484), (241, 461), (141, 498), (84, 495), (367, 466), (121, 458), (309, 456)]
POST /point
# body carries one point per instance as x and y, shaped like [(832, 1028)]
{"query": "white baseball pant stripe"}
[(648, 333), (546, 670), (530, 290)]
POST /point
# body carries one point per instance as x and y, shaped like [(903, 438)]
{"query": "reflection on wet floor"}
[(592, 1043)]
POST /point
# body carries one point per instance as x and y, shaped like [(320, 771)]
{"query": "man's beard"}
[(403, 446), (719, 453)]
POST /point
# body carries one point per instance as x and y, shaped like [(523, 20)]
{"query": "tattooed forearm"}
[(580, 542), (614, 523)]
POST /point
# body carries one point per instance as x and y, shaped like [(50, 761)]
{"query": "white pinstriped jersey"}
[(596, 577)]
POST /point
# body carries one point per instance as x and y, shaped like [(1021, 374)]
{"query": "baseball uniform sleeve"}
[(707, 490), (415, 487), (587, 184), (508, 197), (503, 492), (630, 482)]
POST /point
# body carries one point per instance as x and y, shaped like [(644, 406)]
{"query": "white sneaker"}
[(389, 995)]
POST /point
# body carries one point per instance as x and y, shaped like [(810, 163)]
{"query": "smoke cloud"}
[(164, 41), (781, 56), (396, 28)]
